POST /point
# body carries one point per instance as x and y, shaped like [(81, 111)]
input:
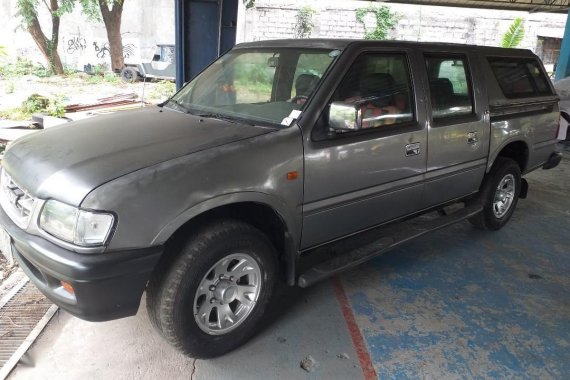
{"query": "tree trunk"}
[(48, 47), (112, 20)]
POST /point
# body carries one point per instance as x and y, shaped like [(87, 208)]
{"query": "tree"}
[(513, 37), (110, 12), (28, 11)]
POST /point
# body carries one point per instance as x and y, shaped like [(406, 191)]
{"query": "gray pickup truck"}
[(283, 160)]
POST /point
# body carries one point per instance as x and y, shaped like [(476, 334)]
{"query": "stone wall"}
[(271, 19)]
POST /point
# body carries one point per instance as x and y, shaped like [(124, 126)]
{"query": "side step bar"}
[(383, 240)]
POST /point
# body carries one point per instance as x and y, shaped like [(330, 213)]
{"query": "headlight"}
[(85, 228)]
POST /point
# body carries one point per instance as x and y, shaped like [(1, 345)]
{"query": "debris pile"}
[(115, 103)]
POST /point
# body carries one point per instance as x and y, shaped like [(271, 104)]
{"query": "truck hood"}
[(69, 161)]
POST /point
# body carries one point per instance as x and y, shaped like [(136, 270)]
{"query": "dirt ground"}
[(78, 88)]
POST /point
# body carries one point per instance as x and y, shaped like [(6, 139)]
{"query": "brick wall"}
[(271, 19)]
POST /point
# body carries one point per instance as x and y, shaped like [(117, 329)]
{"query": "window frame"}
[(523, 61), (443, 121)]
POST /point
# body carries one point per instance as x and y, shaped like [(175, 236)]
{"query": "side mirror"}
[(345, 116)]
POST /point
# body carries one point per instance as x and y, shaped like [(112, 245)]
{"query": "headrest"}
[(305, 84)]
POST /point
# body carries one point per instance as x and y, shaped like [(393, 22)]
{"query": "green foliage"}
[(385, 20), (249, 3), (27, 10), (22, 67), (3, 51), (304, 26), (103, 77), (35, 103), (513, 37), (90, 8), (56, 107), (163, 90)]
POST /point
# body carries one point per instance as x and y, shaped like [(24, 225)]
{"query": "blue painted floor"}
[(463, 303)]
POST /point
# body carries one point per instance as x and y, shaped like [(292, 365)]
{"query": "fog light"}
[(67, 286)]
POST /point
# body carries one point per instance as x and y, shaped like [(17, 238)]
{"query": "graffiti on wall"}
[(76, 44), (103, 50), (79, 50)]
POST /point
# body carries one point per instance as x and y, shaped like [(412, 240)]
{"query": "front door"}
[(358, 179)]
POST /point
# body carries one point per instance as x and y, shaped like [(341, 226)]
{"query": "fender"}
[(291, 221)]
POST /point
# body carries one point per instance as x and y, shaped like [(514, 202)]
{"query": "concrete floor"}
[(458, 303)]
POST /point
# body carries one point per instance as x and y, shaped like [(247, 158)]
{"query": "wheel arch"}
[(516, 150), (272, 220)]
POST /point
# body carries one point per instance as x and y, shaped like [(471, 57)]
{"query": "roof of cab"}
[(321, 43)]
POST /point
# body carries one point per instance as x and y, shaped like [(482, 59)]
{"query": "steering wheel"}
[(296, 99)]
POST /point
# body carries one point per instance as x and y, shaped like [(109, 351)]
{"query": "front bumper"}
[(553, 160), (106, 286)]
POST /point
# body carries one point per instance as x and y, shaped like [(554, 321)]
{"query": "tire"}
[(186, 298), (498, 207), (129, 74)]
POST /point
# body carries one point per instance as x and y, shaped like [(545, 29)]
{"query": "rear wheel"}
[(499, 195), (214, 293)]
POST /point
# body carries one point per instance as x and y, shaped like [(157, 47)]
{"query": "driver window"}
[(380, 85)]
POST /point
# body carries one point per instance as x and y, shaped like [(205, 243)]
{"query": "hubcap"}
[(504, 196), (227, 294)]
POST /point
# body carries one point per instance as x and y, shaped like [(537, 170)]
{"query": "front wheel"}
[(214, 293), (499, 195)]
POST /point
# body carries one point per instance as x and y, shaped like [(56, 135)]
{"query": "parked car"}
[(563, 90), (286, 160), (162, 66)]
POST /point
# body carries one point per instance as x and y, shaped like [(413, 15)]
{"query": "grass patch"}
[(162, 91), (34, 104), (23, 67)]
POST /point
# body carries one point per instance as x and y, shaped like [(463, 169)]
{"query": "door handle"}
[(412, 149), (472, 138)]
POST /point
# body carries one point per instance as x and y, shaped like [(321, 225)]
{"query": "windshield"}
[(267, 86)]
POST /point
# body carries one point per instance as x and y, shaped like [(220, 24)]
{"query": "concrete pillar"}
[(563, 66)]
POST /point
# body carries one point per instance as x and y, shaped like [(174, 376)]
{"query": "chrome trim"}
[(16, 201)]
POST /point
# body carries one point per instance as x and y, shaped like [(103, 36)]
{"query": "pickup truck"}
[(286, 160)]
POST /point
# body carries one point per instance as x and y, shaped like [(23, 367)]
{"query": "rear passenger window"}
[(519, 78), (449, 86)]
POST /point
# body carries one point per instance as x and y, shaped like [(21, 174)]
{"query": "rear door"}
[(358, 179), (458, 133)]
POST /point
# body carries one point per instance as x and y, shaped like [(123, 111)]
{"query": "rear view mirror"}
[(345, 116), (273, 62)]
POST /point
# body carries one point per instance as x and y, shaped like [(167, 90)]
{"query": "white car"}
[(563, 89)]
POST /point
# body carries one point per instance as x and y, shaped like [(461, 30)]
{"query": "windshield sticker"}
[(295, 114), (291, 118)]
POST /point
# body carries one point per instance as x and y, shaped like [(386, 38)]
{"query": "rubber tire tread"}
[(171, 291), (486, 220)]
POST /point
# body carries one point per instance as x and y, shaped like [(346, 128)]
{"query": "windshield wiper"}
[(213, 115)]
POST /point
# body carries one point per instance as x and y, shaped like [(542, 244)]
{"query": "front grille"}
[(16, 201)]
